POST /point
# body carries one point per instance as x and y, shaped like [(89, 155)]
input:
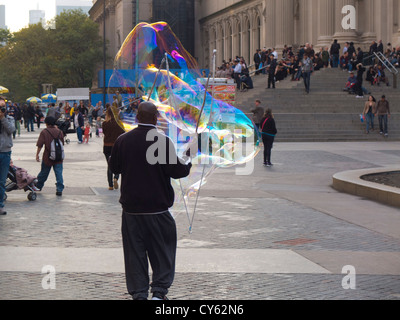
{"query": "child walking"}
[(86, 134)]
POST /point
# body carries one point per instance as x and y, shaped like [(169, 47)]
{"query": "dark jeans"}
[(79, 133), (29, 124), (271, 80), (369, 119), (44, 174), (335, 60), (5, 158), (307, 80), (149, 238), (237, 80), (383, 123), (268, 142), (110, 176)]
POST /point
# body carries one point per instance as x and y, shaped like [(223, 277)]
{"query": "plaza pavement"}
[(280, 233)]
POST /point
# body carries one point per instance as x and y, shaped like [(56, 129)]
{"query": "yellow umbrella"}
[(34, 100), (49, 97), (3, 90)]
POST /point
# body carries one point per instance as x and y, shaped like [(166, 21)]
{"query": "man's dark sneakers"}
[(2, 212), (58, 193)]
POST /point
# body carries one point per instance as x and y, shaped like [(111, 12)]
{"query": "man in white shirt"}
[(275, 54), (237, 72), (346, 47)]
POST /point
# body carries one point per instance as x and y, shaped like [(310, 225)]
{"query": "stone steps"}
[(326, 114)]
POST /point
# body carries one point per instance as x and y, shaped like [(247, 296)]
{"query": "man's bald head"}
[(147, 113)]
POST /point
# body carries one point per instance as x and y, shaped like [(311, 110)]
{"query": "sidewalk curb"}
[(351, 182)]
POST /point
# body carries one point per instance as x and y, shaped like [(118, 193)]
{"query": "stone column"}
[(326, 22), (343, 35), (284, 12), (369, 34), (398, 24), (270, 26)]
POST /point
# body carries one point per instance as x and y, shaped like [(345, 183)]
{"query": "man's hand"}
[(192, 147)]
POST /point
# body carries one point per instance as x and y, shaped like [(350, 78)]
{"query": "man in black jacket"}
[(257, 60), (147, 161), (335, 53), (272, 71)]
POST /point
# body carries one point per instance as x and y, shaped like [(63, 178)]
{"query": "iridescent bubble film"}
[(152, 65)]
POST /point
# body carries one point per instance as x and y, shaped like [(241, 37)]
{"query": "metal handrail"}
[(386, 63)]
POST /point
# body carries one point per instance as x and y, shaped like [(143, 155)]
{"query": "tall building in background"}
[(121, 16), (238, 27), (180, 16), (36, 16), (62, 5), (3, 16)]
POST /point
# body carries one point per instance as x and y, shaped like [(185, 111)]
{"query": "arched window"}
[(258, 33), (239, 50), (248, 42)]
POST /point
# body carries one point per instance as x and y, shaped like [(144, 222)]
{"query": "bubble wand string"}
[(209, 126), (173, 102)]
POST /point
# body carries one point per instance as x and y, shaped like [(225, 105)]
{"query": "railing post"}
[(394, 81)]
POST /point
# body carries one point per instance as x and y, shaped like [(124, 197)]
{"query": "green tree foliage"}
[(5, 37), (65, 56)]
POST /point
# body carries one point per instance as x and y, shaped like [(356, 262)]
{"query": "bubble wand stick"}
[(155, 80)]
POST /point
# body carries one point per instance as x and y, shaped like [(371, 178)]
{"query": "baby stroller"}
[(12, 184), (64, 125)]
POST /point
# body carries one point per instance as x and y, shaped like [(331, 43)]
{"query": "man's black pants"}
[(149, 238), (271, 80)]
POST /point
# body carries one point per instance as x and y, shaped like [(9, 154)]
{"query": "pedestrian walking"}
[(383, 112), (79, 124), (7, 127), (54, 111), (307, 68), (258, 113), (45, 140), (30, 117), (111, 131), (368, 113), (269, 131), (38, 116), (148, 228)]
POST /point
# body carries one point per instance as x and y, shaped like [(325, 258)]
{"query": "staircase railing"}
[(386, 63), (367, 60)]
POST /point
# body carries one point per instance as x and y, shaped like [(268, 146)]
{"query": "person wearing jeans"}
[(307, 69), (45, 139), (79, 124), (7, 127), (383, 111), (30, 117), (369, 111)]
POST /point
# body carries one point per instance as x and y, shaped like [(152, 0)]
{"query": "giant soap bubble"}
[(152, 65)]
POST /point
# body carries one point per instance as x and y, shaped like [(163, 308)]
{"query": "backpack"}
[(56, 149)]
